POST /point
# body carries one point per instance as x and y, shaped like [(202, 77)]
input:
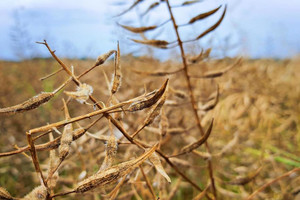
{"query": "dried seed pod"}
[(5, 195), (246, 179), (30, 104), (111, 152), (52, 172), (39, 193), (213, 27), (138, 29), (190, 2), (102, 58), (204, 15), (132, 6), (203, 55), (140, 105), (215, 74), (66, 137), (112, 174), (196, 144), (155, 111), (154, 159), (212, 105), (204, 155), (116, 115), (179, 93), (82, 93), (152, 6), (164, 124), (33, 102), (117, 74), (156, 73), (156, 43)]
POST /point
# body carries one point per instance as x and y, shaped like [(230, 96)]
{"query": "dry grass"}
[(253, 140)]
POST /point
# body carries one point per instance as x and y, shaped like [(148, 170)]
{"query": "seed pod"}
[(66, 137), (246, 179), (30, 104), (201, 56), (33, 102), (82, 93), (156, 43), (179, 93), (52, 174), (138, 29), (156, 73), (154, 159), (118, 74), (39, 193), (102, 58), (199, 142), (190, 2), (112, 174), (155, 111), (152, 6), (215, 74), (116, 115), (164, 124), (212, 105), (204, 15), (128, 9), (140, 105), (213, 27), (5, 195), (111, 152)]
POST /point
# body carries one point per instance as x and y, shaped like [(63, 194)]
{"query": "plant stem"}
[(192, 96)]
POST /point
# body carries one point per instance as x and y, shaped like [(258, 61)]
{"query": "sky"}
[(86, 29)]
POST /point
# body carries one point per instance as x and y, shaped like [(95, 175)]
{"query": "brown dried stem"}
[(192, 96)]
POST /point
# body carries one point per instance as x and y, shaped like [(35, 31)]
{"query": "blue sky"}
[(254, 28)]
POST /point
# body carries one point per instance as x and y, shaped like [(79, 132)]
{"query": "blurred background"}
[(85, 29)]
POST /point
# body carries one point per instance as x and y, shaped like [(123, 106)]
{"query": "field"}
[(254, 139)]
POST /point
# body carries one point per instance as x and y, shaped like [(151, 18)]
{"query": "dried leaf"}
[(156, 43), (112, 174), (214, 26), (154, 159), (138, 29), (82, 93), (140, 105), (204, 15)]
